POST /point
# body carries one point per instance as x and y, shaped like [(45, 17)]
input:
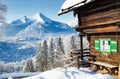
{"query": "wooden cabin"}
[(99, 20)]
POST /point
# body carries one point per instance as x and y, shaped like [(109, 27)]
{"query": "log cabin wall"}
[(98, 13), (101, 19), (113, 58)]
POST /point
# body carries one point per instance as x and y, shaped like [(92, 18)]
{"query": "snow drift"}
[(70, 73)]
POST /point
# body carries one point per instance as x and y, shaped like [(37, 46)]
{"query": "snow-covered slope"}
[(13, 51), (70, 73)]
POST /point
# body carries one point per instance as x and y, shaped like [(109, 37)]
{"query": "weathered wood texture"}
[(97, 6), (101, 19), (113, 58), (100, 29), (111, 28), (107, 21), (109, 17)]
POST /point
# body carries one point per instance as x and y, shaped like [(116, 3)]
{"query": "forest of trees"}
[(9, 67), (49, 52), (49, 56)]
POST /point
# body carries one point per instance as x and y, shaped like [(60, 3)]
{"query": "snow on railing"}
[(70, 58), (71, 61), (68, 65)]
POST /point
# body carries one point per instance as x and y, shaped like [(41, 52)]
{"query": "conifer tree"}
[(59, 53), (60, 46), (51, 55), (29, 67), (38, 60), (72, 43), (44, 55), (3, 10)]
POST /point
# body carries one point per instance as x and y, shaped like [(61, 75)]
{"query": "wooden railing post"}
[(78, 62), (119, 71), (71, 55)]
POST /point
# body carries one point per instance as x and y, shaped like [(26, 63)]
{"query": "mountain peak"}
[(39, 17), (25, 19)]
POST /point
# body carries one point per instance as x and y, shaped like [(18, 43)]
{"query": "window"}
[(106, 46)]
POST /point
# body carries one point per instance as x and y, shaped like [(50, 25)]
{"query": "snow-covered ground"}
[(17, 75), (70, 73)]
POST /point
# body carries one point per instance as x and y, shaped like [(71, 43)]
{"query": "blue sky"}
[(50, 8)]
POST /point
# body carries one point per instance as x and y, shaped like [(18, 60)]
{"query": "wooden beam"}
[(102, 30), (78, 28)]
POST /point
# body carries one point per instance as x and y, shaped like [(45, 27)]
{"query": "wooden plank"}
[(101, 15), (102, 30), (104, 64), (109, 17)]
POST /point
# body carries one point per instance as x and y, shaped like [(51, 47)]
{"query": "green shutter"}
[(97, 45), (114, 46)]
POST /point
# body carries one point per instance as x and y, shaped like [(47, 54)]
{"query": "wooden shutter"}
[(114, 46), (97, 45)]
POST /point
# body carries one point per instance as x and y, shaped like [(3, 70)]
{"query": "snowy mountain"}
[(24, 34), (38, 25)]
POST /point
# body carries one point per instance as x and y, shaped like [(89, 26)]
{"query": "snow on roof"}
[(70, 73), (69, 5)]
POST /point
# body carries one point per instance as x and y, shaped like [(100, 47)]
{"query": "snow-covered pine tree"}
[(3, 10), (44, 55), (72, 43), (1, 67), (59, 53), (29, 67), (51, 54), (60, 46), (38, 60)]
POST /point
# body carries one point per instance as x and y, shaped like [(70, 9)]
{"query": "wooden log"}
[(102, 30), (109, 17)]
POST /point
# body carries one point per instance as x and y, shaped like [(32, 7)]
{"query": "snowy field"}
[(70, 73), (17, 75)]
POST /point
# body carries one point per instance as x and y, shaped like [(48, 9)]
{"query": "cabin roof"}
[(70, 5)]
